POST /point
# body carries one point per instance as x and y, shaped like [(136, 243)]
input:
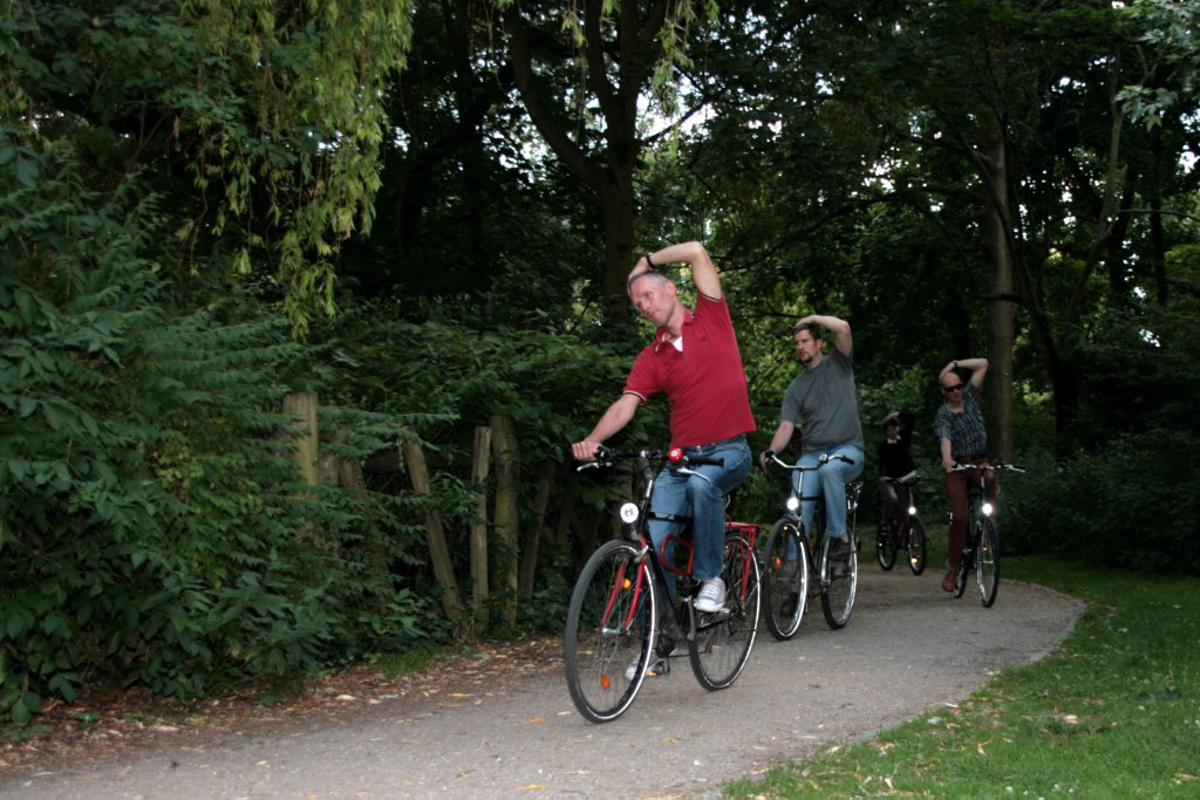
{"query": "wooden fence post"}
[(508, 476), (304, 406), (531, 536), (480, 466), (439, 552)]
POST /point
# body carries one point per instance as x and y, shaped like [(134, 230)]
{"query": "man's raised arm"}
[(704, 272)]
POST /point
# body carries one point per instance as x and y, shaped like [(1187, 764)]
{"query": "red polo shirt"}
[(706, 383)]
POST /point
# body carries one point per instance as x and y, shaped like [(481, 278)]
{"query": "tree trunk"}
[(617, 207), (1000, 294), (439, 552), (480, 467), (618, 58), (508, 485)]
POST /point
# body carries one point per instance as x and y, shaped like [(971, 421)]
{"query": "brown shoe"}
[(950, 579)]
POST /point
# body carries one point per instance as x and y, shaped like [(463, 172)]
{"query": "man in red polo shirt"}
[(694, 358)]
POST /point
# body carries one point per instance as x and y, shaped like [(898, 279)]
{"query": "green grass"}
[(1113, 713)]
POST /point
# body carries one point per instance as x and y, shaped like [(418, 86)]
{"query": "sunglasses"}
[(954, 388)]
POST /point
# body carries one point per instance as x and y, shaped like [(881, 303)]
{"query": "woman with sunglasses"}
[(962, 435)]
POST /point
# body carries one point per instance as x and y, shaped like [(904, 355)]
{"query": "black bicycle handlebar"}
[(983, 467), (607, 456), (821, 460), (909, 479)]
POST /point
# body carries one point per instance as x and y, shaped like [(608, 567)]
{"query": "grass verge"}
[(1113, 713)]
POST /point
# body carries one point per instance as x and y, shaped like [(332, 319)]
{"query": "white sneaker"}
[(712, 596)]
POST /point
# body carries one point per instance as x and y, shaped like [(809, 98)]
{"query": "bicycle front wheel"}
[(839, 584), (987, 562), (885, 544), (723, 639), (785, 573), (916, 545), (610, 631)]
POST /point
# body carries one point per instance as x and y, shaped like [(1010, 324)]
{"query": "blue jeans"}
[(703, 501), (832, 476)]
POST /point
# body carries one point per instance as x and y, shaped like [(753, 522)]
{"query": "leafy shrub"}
[(152, 527)]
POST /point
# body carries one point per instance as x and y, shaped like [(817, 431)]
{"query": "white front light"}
[(987, 509), (912, 511), (793, 503), (629, 513)]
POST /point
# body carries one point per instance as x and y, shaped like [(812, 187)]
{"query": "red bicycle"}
[(621, 619)]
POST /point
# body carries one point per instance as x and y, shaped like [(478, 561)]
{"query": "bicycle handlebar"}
[(607, 456), (823, 459), (998, 466), (908, 479)]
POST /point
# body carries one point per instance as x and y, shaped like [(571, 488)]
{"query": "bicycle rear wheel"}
[(885, 544), (785, 574), (916, 545), (610, 629), (987, 562), (723, 639), (839, 584)]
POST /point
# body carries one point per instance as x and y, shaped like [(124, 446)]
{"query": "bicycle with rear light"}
[(624, 617)]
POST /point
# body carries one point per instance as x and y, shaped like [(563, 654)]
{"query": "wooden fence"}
[(503, 556)]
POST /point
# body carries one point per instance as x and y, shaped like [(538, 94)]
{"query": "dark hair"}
[(813, 329)]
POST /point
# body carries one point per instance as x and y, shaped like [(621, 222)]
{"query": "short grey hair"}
[(662, 279)]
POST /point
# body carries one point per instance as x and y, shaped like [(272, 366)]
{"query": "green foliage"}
[(154, 529), (274, 110), (1125, 496)]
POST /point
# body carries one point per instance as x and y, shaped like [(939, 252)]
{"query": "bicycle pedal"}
[(660, 667)]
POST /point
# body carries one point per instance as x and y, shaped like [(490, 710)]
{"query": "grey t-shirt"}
[(823, 403)]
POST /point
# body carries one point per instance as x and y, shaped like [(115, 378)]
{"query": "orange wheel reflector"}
[(627, 584), (605, 682), (778, 562)]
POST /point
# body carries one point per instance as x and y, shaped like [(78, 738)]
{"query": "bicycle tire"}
[(723, 640), (785, 578), (885, 544), (966, 562), (610, 626), (987, 562), (917, 545), (839, 585)]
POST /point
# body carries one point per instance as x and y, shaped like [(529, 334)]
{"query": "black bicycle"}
[(903, 530), (798, 563), (615, 629), (981, 546)]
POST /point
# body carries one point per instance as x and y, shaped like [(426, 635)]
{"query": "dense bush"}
[(152, 529), (1124, 495)]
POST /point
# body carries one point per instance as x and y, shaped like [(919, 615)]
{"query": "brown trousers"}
[(957, 484)]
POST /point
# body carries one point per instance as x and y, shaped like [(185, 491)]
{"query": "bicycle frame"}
[(982, 533), (621, 585), (793, 508)]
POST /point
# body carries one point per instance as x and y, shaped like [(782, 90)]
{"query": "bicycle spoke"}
[(724, 639), (610, 627)]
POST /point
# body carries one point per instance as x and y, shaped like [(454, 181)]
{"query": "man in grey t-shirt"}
[(823, 403)]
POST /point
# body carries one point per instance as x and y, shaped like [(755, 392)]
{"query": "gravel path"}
[(908, 648)]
